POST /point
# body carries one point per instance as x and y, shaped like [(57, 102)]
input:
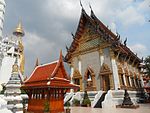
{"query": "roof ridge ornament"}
[(37, 63), (125, 42), (90, 7), (81, 4)]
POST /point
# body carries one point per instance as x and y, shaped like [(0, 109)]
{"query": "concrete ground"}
[(144, 108)]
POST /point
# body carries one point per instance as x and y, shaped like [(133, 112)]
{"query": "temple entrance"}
[(106, 83), (77, 78), (90, 80)]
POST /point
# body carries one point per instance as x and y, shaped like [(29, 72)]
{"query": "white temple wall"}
[(6, 69), (91, 60), (107, 57)]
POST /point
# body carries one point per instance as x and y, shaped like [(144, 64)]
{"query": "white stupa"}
[(13, 93)]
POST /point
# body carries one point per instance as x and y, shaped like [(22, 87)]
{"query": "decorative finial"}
[(19, 30), (90, 6), (37, 62), (61, 56), (72, 34), (125, 42), (67, 48), (81, 4)]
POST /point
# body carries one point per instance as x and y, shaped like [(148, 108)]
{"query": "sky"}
[(48, 25)]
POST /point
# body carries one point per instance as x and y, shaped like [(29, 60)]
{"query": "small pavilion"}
[(47, 86)]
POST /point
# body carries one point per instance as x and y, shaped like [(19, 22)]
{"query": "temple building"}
[(99, 61), (47, 86)]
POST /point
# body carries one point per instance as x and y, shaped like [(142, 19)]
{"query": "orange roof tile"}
[(42, 72), (49, 75)]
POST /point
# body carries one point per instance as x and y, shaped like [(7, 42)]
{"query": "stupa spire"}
[(19, 32)]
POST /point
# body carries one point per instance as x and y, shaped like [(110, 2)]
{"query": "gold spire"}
[(19, 30)]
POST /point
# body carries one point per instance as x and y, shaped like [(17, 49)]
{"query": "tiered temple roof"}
[(103, 31), (49, 75)]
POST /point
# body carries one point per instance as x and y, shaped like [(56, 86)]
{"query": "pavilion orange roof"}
[(49, 75), (42, 72)]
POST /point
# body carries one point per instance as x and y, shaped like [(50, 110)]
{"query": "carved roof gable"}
[(105, 69), (76, 74), (120, 71)]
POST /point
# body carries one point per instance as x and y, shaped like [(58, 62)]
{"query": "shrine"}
[(47, 86), (101, 62)]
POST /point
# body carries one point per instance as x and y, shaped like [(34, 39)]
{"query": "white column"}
[(101, 57), (115, 74), (124, 78), (142, 82), (130, 81), (71, 75), (101, 60)]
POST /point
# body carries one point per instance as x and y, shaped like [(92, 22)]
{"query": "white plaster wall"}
[(92, 60), (6, 69)]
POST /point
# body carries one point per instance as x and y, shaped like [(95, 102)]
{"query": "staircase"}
[(68, 97), (99, 98)]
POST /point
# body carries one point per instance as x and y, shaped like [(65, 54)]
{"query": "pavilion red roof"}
[(42, 72), (49, 75)]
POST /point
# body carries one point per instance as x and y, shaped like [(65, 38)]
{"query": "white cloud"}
[(53, 20), (140, 49), (113, 27), (36, 46), (144, 6), (130, 16)]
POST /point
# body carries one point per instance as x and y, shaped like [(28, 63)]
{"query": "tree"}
[(147, 65)]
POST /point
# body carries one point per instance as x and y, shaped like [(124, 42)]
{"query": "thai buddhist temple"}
[(47, 86), (100, 61)]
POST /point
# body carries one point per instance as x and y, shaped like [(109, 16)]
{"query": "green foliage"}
[(22, 91), (147, 65), (86, 101), (68, 104), (3, 90), (46, 106), (76, 102)]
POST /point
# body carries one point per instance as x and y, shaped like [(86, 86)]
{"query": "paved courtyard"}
[(144, 108)]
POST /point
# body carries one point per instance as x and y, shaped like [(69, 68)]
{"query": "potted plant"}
[(76, 102), (86, 101), (46, 107), (68, 110)]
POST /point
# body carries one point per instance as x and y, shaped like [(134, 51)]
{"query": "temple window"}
[(89, 80), (136, 81), (140, 84), (77, 81), (132, 80), (122, 80), (128, 81)]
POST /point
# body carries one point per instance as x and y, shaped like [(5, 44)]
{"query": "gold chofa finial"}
[(19, 30)]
